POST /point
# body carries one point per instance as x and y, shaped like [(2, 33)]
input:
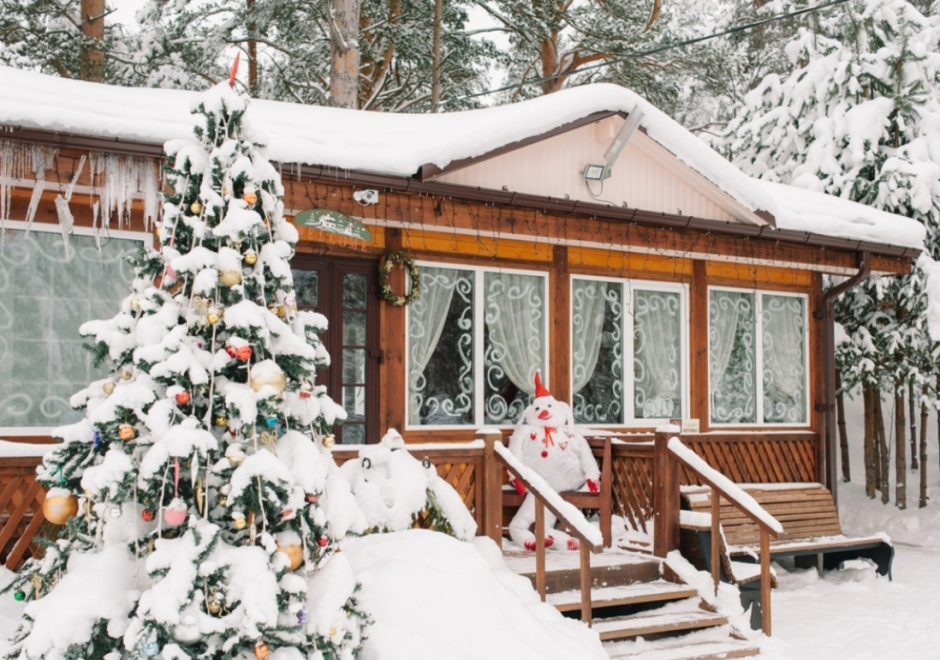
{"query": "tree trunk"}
[(91, 54), (869, 442), (436, 66), (912, 411), (252, 47), (843, 435), (881, 441), (900, 447), (923, 448), (344, 65)]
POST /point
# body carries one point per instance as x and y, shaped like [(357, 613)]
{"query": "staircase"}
[(641, 609)]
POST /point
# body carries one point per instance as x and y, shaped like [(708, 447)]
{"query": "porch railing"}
[(21, 498)]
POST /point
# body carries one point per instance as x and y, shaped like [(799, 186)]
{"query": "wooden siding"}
[(641, 177)]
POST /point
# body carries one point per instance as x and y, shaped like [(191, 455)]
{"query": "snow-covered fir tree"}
[(858, 118), (196, 490)]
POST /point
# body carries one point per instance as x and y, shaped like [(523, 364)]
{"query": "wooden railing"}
[(21, 498), (572, 520), (668, 454)]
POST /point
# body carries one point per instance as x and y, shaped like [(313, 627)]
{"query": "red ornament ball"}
[(231, 350), (243, 353), (323, 541), (183, 398), (147, 515)]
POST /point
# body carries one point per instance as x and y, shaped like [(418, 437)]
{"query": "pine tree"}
[(195, 486), (854, 119)]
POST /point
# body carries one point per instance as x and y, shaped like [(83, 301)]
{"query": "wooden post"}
[(540, 549), (607, 491), (492, 484), (716, 539), (665, 498), (765, 581), (586, 614)]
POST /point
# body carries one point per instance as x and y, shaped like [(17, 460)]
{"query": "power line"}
[(653, 51)]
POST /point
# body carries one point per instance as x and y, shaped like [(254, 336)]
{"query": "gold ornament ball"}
[(329, 440), (59, 509), (126, 432), (276, 380), (240, 523), (126, 375), (250, 197), (230, 277), (251, 257), (135, 305), (295, 553), (221, 420), (108, 387), (262, 651), (214, 606), (333, 632), (223, 501), (196, 208), (281, 311), (213, 318)]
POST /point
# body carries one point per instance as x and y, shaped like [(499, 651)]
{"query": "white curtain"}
[(426, 318), (732, 397), (784, 371), (657, 353), (515, 316), (588, 309)]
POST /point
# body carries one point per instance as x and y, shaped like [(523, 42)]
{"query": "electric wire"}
[(646, 53)]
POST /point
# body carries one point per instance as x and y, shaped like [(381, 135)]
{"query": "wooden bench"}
[(810, 527)]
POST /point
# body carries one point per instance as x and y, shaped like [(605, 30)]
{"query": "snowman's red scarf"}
[(548, 439)]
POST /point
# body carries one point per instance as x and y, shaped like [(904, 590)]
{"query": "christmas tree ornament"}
[(267, 437), (302, 616), (223, 501), (240, 523), (126, 375), (196, 207), (37, 583), (221, 420), (175, 513), (230, 277), (234, 454), (200, 497), (262, 651), (213, 605), (281, 311), (147, 515), (243, 353), (251, 257), (150, 649), (59, 506), (295, 553), (323, 541), (135, 305), (214, 316), (305, 391), (183, 397), (89, 495), (158, 230), (108, 387), (270, 421), (251, 197), (19, 595), (126, 432), (332, 631), (231, 350), (267, 374), (329, 440), (252, 527), (311, 499), (88, 507)]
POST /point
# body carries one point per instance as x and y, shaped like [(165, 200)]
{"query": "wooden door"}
[(345, 291)]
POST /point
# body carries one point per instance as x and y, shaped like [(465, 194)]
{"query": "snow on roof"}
[(399, 144)]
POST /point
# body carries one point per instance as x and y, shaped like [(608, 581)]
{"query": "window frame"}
[(479, 375), (627, 327), (759, 358), (143, 237)]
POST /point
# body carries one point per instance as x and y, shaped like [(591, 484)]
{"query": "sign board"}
[(333, 222)]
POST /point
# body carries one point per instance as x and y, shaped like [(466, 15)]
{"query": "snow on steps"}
[(683, 649), (630, 594)]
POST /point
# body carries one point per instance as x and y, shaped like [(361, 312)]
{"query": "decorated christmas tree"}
[(195, 493)]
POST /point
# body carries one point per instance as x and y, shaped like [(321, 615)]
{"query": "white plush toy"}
[(545, 440)]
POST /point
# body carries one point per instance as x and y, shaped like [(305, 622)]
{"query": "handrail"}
[(669, 450)]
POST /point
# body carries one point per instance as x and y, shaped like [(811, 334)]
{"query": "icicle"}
[(34, 200), (66, 219), (125, 178), (21, 161)]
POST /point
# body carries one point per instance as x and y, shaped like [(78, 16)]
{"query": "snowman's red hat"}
[(540, 390)]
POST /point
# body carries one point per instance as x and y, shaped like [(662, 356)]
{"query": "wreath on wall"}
[(386, 263)]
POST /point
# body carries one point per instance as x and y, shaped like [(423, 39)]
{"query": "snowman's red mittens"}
[(530, 545), (573, 544), (519, 486), (594, 486), (549, 541)]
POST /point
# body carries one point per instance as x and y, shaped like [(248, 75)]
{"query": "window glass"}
[(47, 290), (597, 350), (441, 349), (732, 347), (784, 358), (514, 342), (657, 354)]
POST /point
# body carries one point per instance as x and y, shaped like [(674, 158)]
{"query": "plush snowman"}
[(545, 440)]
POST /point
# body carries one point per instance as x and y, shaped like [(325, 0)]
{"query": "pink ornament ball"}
[(174, 515)]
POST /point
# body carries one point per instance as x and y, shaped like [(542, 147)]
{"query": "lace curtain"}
[(440, 354), (732, 357), (588, 309), (657, 354), (47, 290), (597, 351), (783, 321), (514, 313)]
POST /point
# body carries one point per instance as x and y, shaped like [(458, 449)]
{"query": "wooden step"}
[(607, 569), (655, 622), (716, 650), (630, 594)]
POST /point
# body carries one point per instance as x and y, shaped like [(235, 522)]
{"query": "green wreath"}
[(385, 268)]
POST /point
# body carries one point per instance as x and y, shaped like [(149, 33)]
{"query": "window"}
[(475, 339), (754, 333), (628, 351), (47, 290)]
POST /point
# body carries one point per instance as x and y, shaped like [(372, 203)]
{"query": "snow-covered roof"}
[(400, 144)]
